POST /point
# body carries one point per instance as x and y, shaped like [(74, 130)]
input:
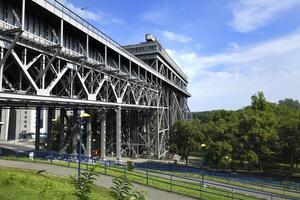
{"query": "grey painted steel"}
[(88, 152), (75, 132), (67, 63), (37, 128), (62, 131), (118, 133), (49, 131), (103, 134)]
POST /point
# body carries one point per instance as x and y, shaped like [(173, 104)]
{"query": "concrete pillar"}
[(118, 133), (103, 134), (37, 128), (76, 135), (49, 128), (62, 130), (88, 151)]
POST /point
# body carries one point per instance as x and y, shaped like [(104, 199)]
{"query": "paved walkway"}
[(103, 181)]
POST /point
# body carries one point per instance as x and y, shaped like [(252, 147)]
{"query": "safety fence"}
[(194, 187), (240, 180)]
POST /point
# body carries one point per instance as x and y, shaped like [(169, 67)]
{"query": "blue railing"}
[(189, 183)]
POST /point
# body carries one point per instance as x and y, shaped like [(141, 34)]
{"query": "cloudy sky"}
[(230, 49)]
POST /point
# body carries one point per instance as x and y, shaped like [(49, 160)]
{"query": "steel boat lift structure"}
[(52, 59)]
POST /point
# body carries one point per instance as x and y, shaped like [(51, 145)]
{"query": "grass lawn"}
[(27, 185), (291, 192), (181, 187)]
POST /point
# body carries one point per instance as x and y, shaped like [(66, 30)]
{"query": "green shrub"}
[(84, 183), (123, 190), (130, 165)]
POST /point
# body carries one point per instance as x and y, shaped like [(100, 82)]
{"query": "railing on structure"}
[(90, 27), (96, 31), (199, 188)]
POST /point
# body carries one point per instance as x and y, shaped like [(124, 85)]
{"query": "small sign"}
[(31, 155)]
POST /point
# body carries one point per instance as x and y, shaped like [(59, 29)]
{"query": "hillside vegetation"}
[(261, 136)]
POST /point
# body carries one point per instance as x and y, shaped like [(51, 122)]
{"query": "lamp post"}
[(82, 116), (202, 146)]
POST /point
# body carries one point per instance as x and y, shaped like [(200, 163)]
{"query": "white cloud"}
[(82, 12), (251, 14), (176, 37), (227, 80), (153, 15), (85, 13)]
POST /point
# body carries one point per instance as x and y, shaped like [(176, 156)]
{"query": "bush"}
[(84, 183), (123, 190), (130, 165)]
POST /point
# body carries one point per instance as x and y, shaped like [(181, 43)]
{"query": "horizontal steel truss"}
[(45, 76)]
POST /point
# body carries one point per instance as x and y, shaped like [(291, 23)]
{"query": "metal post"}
[(62, 130), (147, 176), (171, 186), (80, 140), (103, 135), (37, 128), (89, 139), (118, 133), (124, 170)]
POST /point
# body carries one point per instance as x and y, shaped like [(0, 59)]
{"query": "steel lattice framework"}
[(53, 59)]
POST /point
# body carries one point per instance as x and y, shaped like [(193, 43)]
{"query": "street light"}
[(82, 116), (202, 146)]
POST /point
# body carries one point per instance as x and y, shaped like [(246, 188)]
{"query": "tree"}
[(257, 133), (294, 104), (289, 133), (185, 138), (219, 129)]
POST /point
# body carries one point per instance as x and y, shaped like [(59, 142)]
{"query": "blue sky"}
[(229, 49)]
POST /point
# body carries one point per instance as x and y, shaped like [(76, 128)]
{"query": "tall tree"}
[(289, 133), (185, 138)]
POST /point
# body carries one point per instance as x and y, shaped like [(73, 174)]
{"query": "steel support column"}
[(118, 133), (62, 131), (37, 128), (49, 127), (103, 134), (75, 138), (88, 151), (1, 68), (23, 15)]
